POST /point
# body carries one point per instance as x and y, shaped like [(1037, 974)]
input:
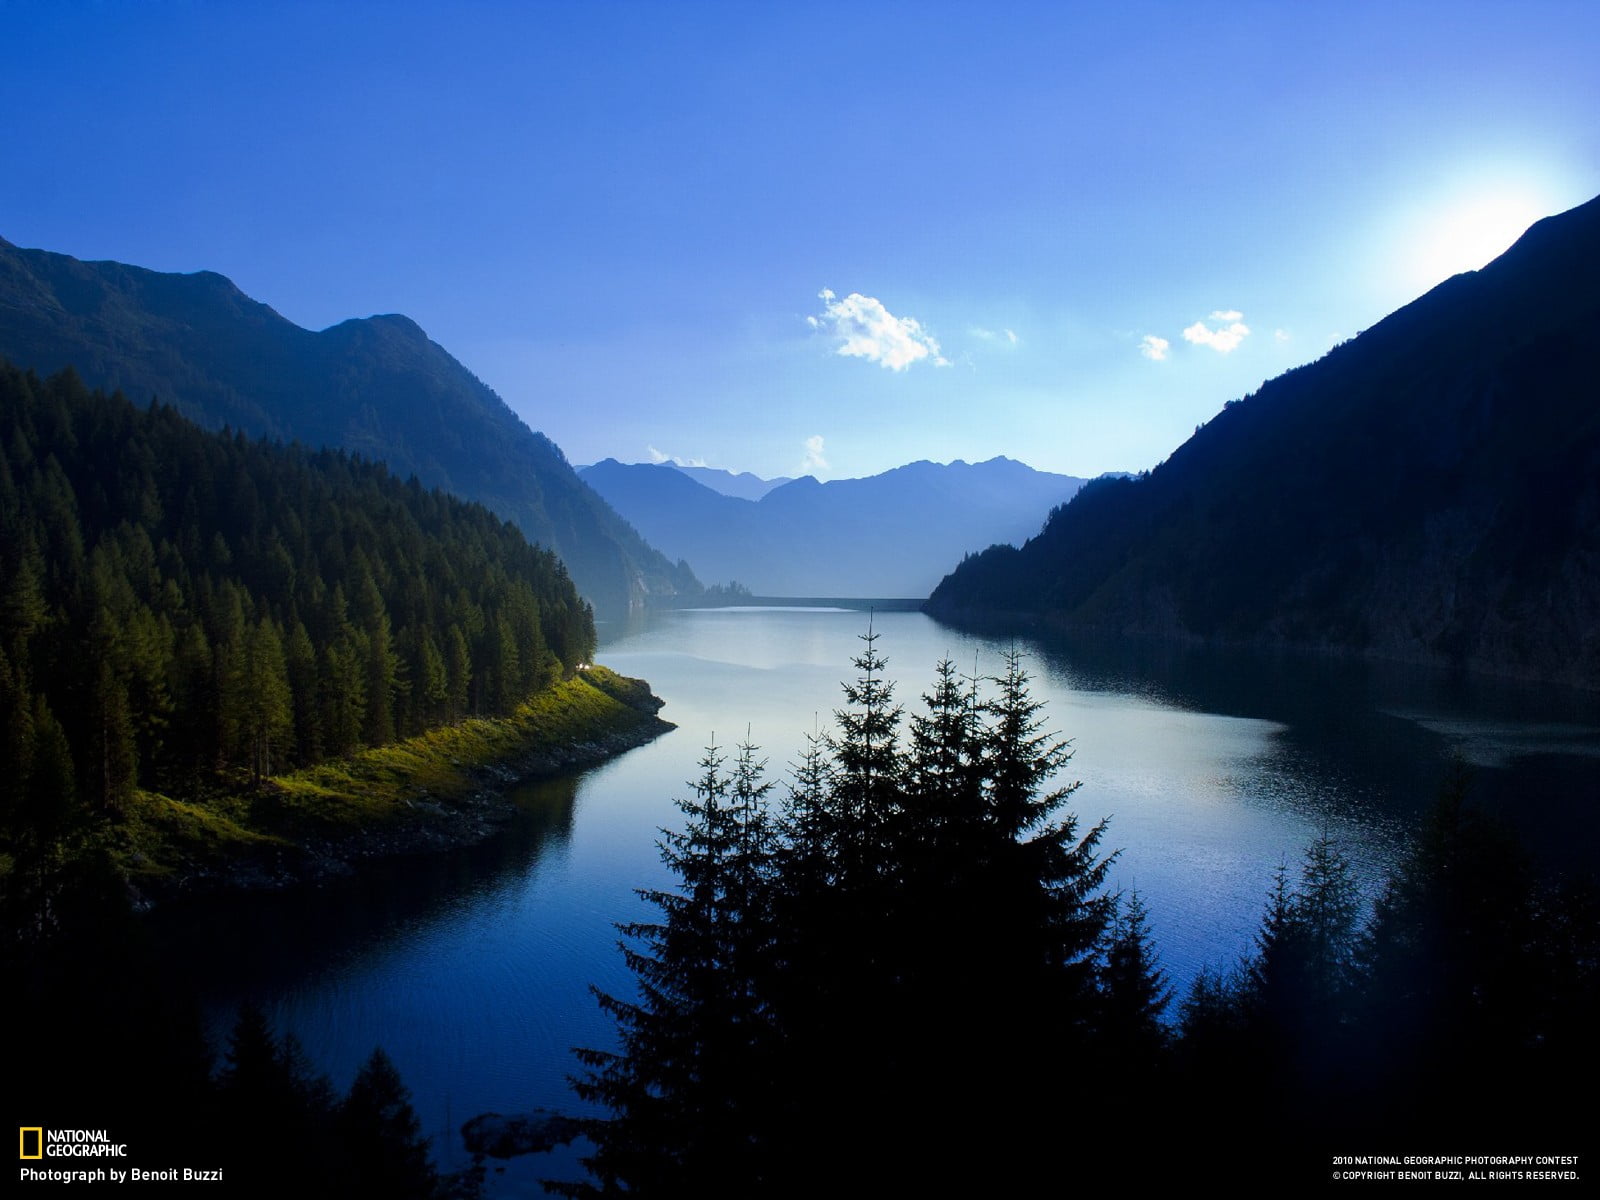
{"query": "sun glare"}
[(1471, 232)]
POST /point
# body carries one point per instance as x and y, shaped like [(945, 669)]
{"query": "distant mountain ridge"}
[(1429, 491), (743, 484), (376, 386), (888, 535)]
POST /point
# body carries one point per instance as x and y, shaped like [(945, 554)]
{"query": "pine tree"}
[(865, 791), (685, 1091), (380, 1137), (268, 1096), (1297, 987), (458, 673), (431, 687), (266, 707), (1328, 909), (869, 964), (944, 771), (1134, 994), (114, 756), (1453, 990), (1051, 876)]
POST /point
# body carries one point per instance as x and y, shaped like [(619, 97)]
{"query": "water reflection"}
[(232, 944)]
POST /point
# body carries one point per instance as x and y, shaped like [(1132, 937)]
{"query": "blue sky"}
[(821, 236)]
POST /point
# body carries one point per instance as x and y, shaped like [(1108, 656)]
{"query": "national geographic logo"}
[(38, 1142)]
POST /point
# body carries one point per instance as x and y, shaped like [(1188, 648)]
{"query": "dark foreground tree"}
[(1282, 1021), (1480, 981), (1134, 995), (689, 1109), (907, 955), (276, 1113), (281, 1126), (383, 1148)]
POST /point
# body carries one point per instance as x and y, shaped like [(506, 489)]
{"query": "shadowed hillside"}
[(377, 387), (1429, 491)]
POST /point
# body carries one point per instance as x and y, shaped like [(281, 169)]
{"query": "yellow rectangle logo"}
[(38, 1141)]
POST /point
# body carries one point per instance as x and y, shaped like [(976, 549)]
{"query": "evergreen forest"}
[(186, 613)]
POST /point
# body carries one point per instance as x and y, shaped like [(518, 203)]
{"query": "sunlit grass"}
[(160, 838)]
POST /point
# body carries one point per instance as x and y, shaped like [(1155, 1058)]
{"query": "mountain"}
[(744, 485), (1429, 491), (376, 386), (182, 600), (888, 535)]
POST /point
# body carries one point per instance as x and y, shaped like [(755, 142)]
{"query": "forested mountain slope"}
[(376, 386), (1428, 491), (177, 604)]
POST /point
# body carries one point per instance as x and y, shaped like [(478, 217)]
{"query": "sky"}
[(818, 238)]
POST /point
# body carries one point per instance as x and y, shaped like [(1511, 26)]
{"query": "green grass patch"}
[(390, 783), (158, 840)]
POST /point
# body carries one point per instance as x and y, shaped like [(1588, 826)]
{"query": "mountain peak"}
[(376, 386)]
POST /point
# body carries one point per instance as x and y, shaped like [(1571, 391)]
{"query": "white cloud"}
[(1282, 335), (1230, 331), (814, 461), (657, 456), (1007, 336), (866, 329), (1154, 347)]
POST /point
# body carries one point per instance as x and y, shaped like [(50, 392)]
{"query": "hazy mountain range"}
[(1427, 491), (743, 484), (888, 535), (376, 386)]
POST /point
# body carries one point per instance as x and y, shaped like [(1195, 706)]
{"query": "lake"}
[(473, 968)]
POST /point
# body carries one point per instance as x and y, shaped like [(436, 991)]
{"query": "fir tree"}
[(266, 1090), (1134, 994), (380, 1137), (867, 767), (686, 1090), (868, 963)]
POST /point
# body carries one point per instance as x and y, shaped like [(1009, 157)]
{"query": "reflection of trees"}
[(238, 943)]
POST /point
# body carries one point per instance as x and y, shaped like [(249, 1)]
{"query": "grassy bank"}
[(436, 790)]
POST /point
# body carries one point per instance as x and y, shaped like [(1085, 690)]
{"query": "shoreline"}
[(441, 790), (980, 620)]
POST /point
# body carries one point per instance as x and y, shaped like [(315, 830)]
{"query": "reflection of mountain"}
[(1429, 491), (376, 386), (886, 535)]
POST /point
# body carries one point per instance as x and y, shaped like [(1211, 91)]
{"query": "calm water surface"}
[(473, 969)]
